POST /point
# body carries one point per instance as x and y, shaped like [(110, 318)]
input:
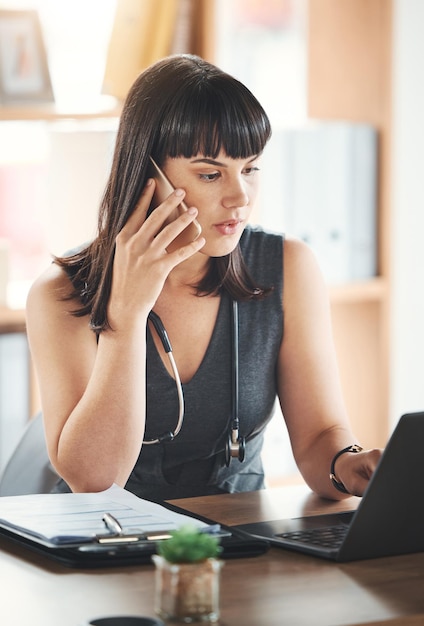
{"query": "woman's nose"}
[(235, 196)]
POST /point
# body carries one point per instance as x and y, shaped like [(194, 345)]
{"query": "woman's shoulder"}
[(49, 310), (49, 290), (56, 280), (299, 255), (303, 277)]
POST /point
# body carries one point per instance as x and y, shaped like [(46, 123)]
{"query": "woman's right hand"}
[(142, 263)]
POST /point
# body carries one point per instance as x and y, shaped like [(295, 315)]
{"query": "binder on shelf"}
[(109, 528), (323, 177)]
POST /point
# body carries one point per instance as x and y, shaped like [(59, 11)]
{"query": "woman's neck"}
[(188, 273)]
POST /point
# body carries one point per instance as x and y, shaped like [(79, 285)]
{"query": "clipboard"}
[(112, 547)]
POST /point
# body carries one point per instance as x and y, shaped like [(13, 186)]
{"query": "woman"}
[(107, 387)]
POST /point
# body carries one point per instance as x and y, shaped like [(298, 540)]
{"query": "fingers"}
[(161, 228), (166, 213), (369, 460), (178, 231), (185, 251)]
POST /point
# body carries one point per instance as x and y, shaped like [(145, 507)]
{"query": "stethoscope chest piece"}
[(235, 447)]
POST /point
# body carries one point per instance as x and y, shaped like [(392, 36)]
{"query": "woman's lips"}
[(229, 227)]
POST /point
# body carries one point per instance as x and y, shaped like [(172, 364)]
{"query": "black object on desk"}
[(125, 620)]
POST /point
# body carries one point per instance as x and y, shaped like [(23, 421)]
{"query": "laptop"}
[(389, 519)]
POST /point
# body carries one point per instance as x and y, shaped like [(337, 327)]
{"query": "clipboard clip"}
[(117, 534)]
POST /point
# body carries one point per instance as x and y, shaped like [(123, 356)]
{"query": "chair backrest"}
[(28, 469)]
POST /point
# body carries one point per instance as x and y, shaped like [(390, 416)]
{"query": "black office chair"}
[(29, 469)]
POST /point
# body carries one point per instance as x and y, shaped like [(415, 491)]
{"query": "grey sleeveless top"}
[(194, 462)]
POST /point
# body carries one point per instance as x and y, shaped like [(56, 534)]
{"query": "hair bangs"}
[(213, 119)]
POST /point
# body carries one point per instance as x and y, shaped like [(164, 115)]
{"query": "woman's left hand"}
[(354, 470)]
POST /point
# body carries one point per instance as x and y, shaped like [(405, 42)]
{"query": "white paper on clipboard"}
[(76, 518)]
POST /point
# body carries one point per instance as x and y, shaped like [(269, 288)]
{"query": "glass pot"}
[(187, 592)]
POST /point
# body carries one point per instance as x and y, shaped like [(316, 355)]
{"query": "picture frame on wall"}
[(24, 71)]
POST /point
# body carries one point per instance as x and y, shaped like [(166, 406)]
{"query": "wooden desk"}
[(280, 588)]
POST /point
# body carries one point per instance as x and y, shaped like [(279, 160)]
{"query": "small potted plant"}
[(187, 576)]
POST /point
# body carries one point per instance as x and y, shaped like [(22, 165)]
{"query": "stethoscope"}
[(236, 444)]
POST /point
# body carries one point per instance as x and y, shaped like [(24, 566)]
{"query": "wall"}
[(78, 166), (407, 331)]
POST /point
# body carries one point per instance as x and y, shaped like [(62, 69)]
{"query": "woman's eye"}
[(251, 171), (209, 177)]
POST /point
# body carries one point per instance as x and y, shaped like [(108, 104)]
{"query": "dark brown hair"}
[(180, 106)]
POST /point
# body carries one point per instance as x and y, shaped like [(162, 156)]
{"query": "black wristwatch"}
[(338, 483)]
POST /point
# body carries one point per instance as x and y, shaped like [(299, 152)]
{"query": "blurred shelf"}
[(372, 290), (102, 107)]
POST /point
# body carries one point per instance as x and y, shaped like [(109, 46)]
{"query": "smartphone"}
[(163, 189)]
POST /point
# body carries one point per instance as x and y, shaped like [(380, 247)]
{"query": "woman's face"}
[(224, 190)]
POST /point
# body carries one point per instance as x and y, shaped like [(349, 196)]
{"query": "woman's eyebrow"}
[(218, 163), (209, 162)]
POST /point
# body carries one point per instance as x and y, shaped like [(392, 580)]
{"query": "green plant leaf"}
[(188, 545)]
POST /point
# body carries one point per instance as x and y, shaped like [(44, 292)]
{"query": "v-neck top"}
[(194, 462)]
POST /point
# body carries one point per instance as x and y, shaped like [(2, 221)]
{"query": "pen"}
[(118, 535), (112, 524)]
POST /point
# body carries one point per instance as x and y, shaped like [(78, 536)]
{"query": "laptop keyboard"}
[(327, 537)]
